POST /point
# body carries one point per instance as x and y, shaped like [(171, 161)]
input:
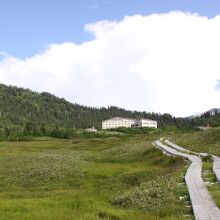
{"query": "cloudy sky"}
[(161, 56)]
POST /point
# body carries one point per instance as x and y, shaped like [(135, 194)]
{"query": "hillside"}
[(22, 108), (211, 118), (213, 111)]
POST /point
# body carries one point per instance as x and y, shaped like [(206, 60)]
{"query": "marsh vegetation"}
[(121, 177)]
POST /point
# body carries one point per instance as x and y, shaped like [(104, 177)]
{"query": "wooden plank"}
[(216, 160), (204, 208), (176, 146), (183, 149), (216, 167)]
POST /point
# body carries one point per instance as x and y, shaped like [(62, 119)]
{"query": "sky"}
[(146, 55)]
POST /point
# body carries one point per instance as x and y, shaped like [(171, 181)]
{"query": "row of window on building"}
[(128, 123)]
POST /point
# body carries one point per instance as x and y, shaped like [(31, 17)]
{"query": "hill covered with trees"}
[(208, 118), (23, 110)]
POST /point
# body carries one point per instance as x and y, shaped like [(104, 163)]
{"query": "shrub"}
[(148, 196)]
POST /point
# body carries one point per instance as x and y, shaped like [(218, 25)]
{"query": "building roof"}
[(132, 119), (118, 118), (147, 119)]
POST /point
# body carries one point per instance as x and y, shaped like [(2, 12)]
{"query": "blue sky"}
[(147, 55), (28, 26)]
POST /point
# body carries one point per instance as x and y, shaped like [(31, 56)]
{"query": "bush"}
[(148, 196), (207, 158), (133, 130)]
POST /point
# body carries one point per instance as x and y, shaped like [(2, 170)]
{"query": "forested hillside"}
[(207, 119), (23, 110)]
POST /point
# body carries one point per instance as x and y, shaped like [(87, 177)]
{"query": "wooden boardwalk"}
[(216, 167), (204, 208), (176, 147), (216, 160), (183, 149)]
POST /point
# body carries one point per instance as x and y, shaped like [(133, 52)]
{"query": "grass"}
[(200, 141), (207, 173), (113, 178), (210, 178)]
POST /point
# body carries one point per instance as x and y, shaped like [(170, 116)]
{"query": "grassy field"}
[(112, 178), (200, 141)]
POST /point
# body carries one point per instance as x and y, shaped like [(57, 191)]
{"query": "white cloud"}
[(162, 62)]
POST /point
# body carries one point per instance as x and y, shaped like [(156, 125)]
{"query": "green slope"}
[(22, 109), (21, 106)]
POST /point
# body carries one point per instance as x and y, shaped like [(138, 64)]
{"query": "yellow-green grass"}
[(210, 178), (113, 178), (200, 141)]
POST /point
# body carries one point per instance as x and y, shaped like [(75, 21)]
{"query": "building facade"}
[(91, 129), (118, 122), (143, 122)]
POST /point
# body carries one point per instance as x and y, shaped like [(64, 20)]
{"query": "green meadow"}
[(200, 141), (115, 178)]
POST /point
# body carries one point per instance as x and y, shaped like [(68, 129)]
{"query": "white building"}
[(118, 122), (143, 122), (91, 129)]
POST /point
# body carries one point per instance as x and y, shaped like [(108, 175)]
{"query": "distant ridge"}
[(213, 111), (210, 112)]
